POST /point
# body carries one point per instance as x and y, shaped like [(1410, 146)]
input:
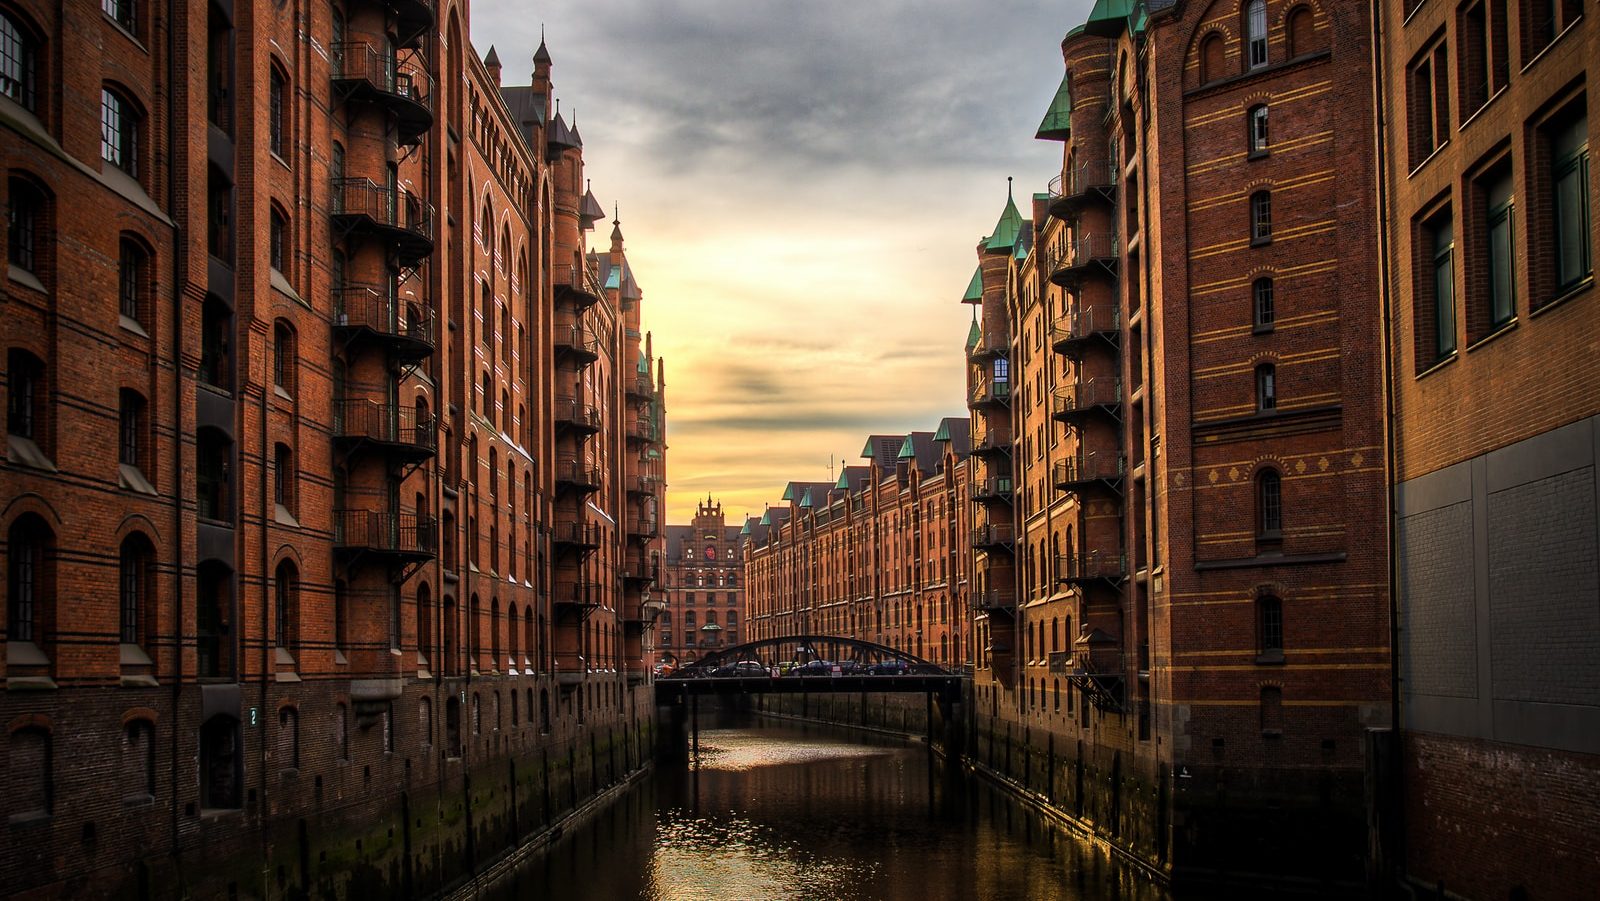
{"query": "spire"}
[(616, 228), (1005, 230), (541, 57), (491, 61), (975, 287)]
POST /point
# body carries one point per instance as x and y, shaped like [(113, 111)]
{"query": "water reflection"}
[(798, 813)]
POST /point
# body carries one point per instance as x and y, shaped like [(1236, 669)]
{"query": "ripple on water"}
[(740, 859), (736, 751)]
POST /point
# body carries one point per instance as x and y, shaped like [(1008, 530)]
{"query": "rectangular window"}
[(17, 60), (1472, 69), (128, 446), (1258, 130), (1260, 217), (1443, 289), (1427, 102), (128, 271), (120, 12), (1258, 33), (1502, 277), (1265, 305), (117, 133), (275, 113), (1569, 198)]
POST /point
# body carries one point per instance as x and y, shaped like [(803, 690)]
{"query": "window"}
[(1258, 130), (278, 240), (1269, 504), (132, 276), (285, 604), (28, 589), (284, 476), (1542, 20), (277, 87), (1472, 63), (1499, 302), (25, 216), (119, 132), (213, 603), (221, 764), (1263, 301), (1266, 388), (1299, 27), (139, 760), (25, 395), (219, 69), (133, 588), (1211, 58), (1568, 139), (120, 12), (19, 61), (1435, 311), (1269, 626), (1256, 33), (1260, 217), (1427, 102), (130, 428), (216, 342), (283, 357), (213, 452)]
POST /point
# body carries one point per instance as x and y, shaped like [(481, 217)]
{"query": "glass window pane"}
[(1571, 217), (1501, 285)]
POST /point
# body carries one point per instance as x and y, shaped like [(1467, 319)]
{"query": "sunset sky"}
[(801, 186)]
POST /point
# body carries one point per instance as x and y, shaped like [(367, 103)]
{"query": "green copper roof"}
[(974, 288), (866, 449), (843, 481), (746, 529), (1019, 252), (1005, 231), (907, 452), (805, 500), (1108, 18), (973, 334), (1057, 123), (944, 431), (644, 364)]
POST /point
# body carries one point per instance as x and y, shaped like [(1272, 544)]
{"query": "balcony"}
[(641, 428), (363, 314), (393, 430), (576, 285), (645, 527), (1090, 255), (1075, 189), (576, 343), (635, 568), (575, 598), (397, 537), (639, 387), (1098, 671), (368, 74), (995, 600), (642, 483), (1074, 401), (392, 215), (994, 536), (574, 415), (575, 533), (992, 443), (1093, 566), (990, 392), (1089, 471), (574, 474), (413, 19), (989, 346), (994, 489), (1103, 321)]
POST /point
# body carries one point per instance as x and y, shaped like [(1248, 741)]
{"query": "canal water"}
[(783, 811)]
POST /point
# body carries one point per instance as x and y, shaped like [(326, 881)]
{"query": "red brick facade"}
[(334, 458), (700, 588)]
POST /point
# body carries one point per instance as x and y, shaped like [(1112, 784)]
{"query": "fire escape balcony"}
[(989, 393), (1086, 472), (993, 490), (393, 215), (575, 285), (640, 428), (413, 19), (574, 415), (992, 443), (638, 569), (364, 314), (1098, 671), (1109, 567), (642, 483), (576, 343), (575, 598), (1093, 181), (395, 538), (581, 476), (1089, 255), (993, 536), (1103, 321), (639, 387), (988, 347), (368, 74), (645, 527), (575, 533), (995, 600), (1074, 401), (393, 430)]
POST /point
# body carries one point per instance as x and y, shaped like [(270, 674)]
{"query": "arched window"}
[(1269, 627), (27, 204), (1256, 130), (133, 279), (286, 606), (452, 726), (133, 580), (284, 475), (1255, 29), (1299, 26), (1211, 58), (219, 215), (1269, 505), (120, 121), (19, 61), (1264, 304), (30, 588), (494, 633), (278, 249), (30, 762), (277, 109), (474, 636), (1260, 217), (1266, 388), (449, 642)]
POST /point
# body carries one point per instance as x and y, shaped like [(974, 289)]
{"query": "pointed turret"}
[(616, 233), (591, 211), (1057, 123), (1004, 237), (491, 61), (541, 57)]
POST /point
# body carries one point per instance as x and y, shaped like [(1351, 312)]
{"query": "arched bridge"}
[(808, 664)]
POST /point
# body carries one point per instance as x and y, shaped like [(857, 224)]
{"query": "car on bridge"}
[(813, 668), (894, 667), (742, 668)]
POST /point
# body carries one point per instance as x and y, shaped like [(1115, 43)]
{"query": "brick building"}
[(369, 543), (700, 587), (1489, 275), (879, 555), (1181, 609)]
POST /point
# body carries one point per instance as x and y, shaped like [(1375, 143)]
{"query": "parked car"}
[(891, 668), (853, 668), (813, 668), (741, 668)]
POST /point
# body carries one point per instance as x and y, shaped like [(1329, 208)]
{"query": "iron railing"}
[(373, 530), (388, 423), (367, 307)]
